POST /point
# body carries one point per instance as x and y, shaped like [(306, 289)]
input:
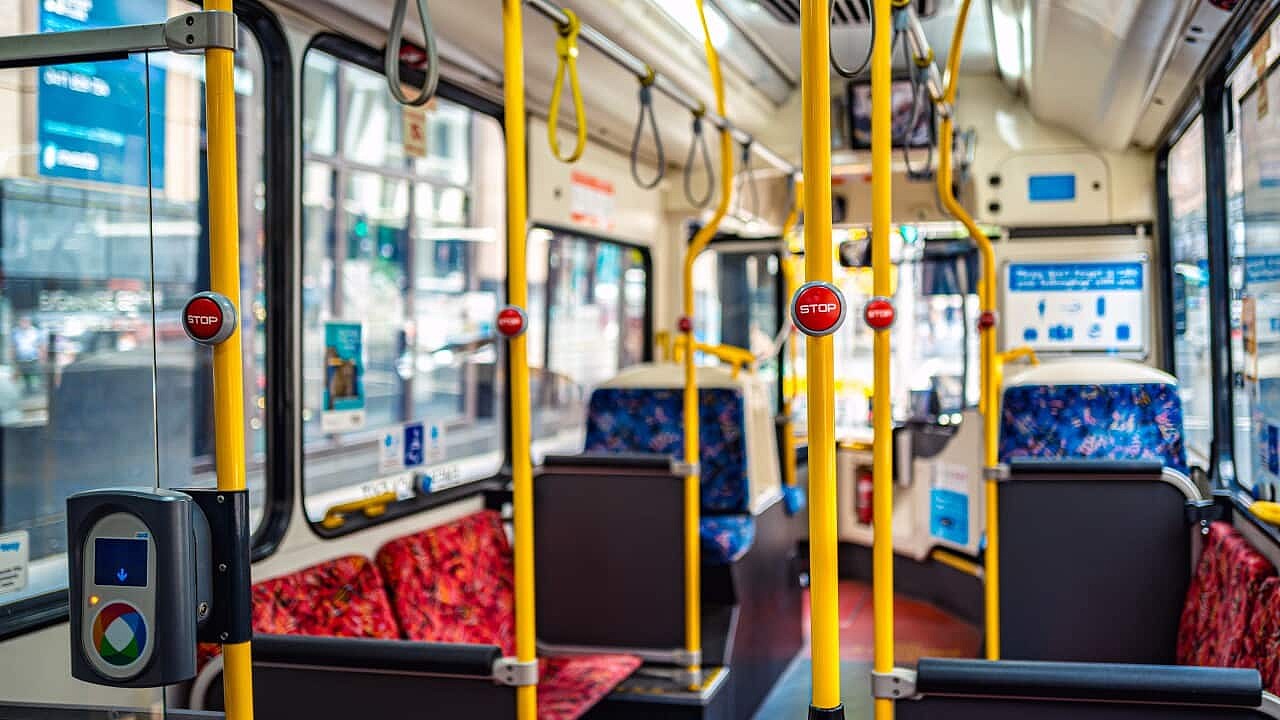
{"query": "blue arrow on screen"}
[(122, 575)]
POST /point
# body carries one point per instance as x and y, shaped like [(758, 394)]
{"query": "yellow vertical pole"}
[(790, 285), (824, 593), (518, 347), (990, 387), (692, 440), (228, 368), (882, 402)]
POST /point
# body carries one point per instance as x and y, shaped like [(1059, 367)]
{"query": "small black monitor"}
[(904, 106)]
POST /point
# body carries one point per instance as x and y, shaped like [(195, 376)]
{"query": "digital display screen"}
[(121, 562), (1051, 188), (904, 107)]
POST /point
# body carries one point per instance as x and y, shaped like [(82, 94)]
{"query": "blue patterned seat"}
[(649, 420), (1100, 409)]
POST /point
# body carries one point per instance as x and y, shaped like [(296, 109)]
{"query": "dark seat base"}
[(649, 698)]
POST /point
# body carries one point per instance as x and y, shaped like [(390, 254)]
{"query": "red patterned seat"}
[(455, 583), (340, 598), (1221, 602), (1264, 630)]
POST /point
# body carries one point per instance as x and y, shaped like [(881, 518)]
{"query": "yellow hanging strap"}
[(990, 401), (518, 349), (567, 52), (692, 441)]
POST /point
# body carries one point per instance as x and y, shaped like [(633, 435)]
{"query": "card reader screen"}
[(120, 562)]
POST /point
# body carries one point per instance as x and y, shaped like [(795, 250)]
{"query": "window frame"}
[(1208, 93), (364, 56), (1165, 253), (52, 608)]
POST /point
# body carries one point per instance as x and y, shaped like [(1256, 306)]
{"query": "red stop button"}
[(818, 309), (879, 313), (512, 321), (986, 320), (684, 324), (209, 318)]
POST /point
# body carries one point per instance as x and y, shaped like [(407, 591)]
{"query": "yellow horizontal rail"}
[(372, 506)]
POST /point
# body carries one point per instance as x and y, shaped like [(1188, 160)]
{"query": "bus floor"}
[(921, 630)]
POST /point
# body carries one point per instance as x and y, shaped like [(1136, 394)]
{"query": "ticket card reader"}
[(140, 585)]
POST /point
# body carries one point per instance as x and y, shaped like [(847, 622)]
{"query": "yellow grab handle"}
[(373, 506), (1267, 512), (567, 51)]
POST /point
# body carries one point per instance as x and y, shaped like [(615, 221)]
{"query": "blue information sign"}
[(1076, 306), (91, 122)]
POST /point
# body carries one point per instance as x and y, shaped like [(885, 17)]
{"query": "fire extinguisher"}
[(865, 488)]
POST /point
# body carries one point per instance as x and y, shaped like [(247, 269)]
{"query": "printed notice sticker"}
[(14, 554)]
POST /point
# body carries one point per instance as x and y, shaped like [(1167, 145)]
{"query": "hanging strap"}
[(567, 51), (391, 58), (646, 109), (836, 65), (747, 180), (699, 140)]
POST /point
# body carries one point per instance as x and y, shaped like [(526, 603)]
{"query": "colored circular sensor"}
[(818, 309), (120, 634)]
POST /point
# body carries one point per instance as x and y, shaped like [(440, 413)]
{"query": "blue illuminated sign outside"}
[(91, 115)]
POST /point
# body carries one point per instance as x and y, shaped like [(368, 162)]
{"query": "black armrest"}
[(400, 656), (630, 461), (1101, 682), (1075, 466)]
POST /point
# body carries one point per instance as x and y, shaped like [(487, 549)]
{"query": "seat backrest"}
[(454, 582), (642, 410), (343, 597), (1223, 602), (1096, 409)]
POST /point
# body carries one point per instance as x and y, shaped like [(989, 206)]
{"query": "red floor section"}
[(920, 629)]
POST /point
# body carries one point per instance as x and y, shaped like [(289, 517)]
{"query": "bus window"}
[(588, 318), (86, 379), (403, 272), (1260, 282), (1189, 243), (736, 301)]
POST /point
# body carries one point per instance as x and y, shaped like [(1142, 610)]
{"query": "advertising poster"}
[(949, 503), (344, 377), (91, 116), (1079, 306)]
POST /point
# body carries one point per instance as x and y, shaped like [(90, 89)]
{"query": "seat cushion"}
[(1139, 421), (1264, 632), (570, 686), (339, 598), (726, 538), (454, 583), (652, 421), (1221, 602)]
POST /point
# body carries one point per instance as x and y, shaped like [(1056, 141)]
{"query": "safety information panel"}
[(1078, 306)]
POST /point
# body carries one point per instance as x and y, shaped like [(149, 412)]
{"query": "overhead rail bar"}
[(641, 70), (187, 33)]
